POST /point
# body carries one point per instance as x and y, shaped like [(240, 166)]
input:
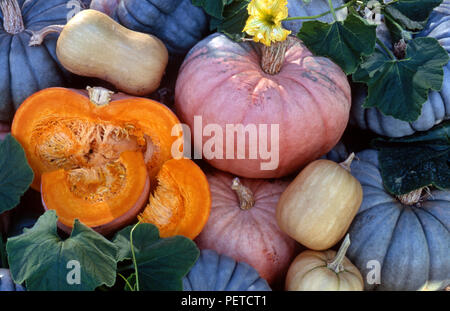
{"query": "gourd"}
[(7, 284), (242, 224), (303, 100), (181, 203), (178, 23), (312, 8), (94, 45), (405, 239), (324, 271), (25, 70), (214, 272), (317, 208), (435, 109), (94, 157)]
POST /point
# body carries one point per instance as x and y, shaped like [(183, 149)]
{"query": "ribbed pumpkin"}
[(436, 108), (25, 70), (214, 272), (229, 83), (242, 224), (178, 23), (410, 242)]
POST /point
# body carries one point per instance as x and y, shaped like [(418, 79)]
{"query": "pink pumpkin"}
[(224, 82), (242, 224)]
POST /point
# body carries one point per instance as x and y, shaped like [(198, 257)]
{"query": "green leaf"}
[(42, 259), (400, 87), (417, 161), (162, 262), (412, 14), (213, 8), (16, 175), (344, 42), (235, 17)]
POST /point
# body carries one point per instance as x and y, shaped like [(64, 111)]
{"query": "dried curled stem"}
[(245, 195)]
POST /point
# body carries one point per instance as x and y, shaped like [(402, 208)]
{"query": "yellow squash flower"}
[(264, 22)]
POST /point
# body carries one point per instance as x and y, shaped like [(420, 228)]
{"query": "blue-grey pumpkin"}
[(214, 272), (338, 154), (435, 109), (7, 284), (178, 23), (25, 70), (312, 8), (409, 243)]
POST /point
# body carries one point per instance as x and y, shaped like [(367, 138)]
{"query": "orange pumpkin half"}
[(94, 157)]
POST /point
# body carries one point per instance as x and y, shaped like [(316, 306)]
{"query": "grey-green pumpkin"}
[(409, 243), (7, 284), (435, 109), (214, 272)]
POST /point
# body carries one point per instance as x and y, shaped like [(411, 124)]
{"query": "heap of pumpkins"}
[(108, 158)]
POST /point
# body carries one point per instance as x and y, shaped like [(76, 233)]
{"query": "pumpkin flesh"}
[(61, 129), (181, 202), (99, 197)]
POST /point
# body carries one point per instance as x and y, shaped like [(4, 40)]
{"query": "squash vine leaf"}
[(417, 161), (15, 173), (213, 8), (41, 259), (400, 87), (344, 42), (162, 262), (411, 14)]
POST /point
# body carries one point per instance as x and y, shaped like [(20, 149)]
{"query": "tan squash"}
[(324, 271), (318, 207), (94, 45)]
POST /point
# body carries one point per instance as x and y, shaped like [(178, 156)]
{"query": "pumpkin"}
[(25, 70), (338, 154), (181, 203), (178, 23), (93, 157), (434, 110), (324, 271), (409, 242), (7, 284), (214, 272), (106, 6), (299, 106), (94, 45), (312, 8), (317, 208), (242, 224)]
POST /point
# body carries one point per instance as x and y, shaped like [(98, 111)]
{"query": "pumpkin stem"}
[(99, 96), (245, 195), (12, 16), (348, 163), (336, 265), (37, 37), (411, 198), (273, 56)]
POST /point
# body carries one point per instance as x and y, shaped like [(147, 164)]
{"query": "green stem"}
[(320, 15), (126, 281), (380, 43), (330, 3), (134, 256)]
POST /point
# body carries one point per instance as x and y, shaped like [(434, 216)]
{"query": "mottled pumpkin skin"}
[(309, 99), (250, 236), (435, 109), (411, 243), (178, 23), (214, 272), (25, 70), (312, 8)]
